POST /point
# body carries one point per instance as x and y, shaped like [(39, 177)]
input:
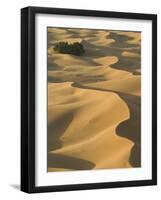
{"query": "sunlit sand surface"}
[(94, 101)]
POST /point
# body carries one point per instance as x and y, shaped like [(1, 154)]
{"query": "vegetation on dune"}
[(75, 49)]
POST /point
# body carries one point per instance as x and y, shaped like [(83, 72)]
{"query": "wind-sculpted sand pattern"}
[(94, 101)]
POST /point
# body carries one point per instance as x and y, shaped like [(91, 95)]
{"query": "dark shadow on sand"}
[(53, 67), (68, 162), (55, 131), (121, 41)]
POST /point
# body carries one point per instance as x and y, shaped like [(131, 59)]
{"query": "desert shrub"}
[(64, 47)]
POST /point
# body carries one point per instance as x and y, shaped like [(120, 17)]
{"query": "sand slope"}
[(94, 101)]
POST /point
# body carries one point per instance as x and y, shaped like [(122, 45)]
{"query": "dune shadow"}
[(121, 40), (130, 128), (127, 64), (77, 78), (55, 130), (68, 162), (52, 79), (51, 66)]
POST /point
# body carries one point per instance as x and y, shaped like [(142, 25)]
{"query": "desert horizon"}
[(94, 99)]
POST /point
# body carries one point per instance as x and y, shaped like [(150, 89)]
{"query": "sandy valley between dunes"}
[(94, 101)]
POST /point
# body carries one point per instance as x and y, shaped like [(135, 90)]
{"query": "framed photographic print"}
[(88, 99)]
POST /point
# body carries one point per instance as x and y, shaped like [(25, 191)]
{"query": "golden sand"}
[(94, 101)]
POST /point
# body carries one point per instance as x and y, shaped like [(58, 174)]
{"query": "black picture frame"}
[(28, 98)]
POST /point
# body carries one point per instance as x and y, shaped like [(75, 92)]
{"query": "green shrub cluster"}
[(75, 49)]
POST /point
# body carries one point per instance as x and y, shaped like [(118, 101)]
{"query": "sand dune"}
[(98, 128), (107, 60), (94, 101), (120, 85), (131, 54)]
